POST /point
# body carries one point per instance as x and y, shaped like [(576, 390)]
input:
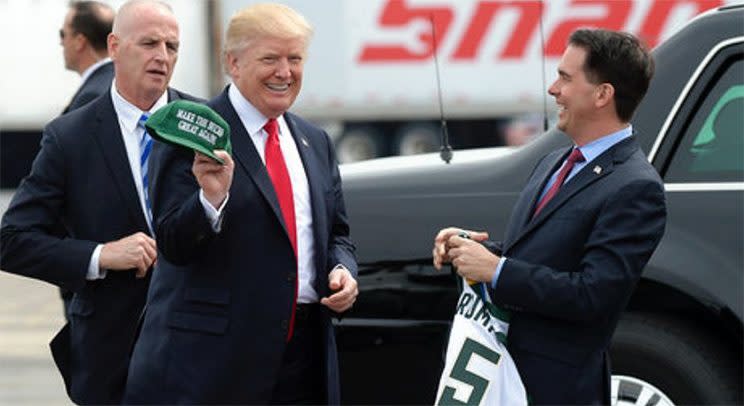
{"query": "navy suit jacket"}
[(219, 303), (95, 85), (80, 193), (572, 269)]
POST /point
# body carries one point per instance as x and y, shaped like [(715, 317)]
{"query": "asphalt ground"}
[(30, 316)]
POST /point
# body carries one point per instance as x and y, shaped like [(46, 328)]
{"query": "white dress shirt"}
[(128, 116)]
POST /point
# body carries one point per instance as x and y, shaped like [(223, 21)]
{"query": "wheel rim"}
[(356, 147), (629, 391)]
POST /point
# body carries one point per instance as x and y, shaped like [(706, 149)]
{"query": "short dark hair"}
[(92, 20), (620, 59)]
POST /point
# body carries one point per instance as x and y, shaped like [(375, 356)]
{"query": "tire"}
[(418, 138), (359, 143), (657, 355)]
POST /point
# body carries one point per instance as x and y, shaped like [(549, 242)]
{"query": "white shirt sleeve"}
[(95, 271), (214, 215)]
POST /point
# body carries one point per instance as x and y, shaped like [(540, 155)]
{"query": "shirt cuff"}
[(94, 270), (496, 274), (214, 215)]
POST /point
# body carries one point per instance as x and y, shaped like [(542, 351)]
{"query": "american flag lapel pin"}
[(597, 169)]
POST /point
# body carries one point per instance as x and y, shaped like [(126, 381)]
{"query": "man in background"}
[(83, 39), (81, 218)]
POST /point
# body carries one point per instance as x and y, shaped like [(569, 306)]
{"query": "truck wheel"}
[(658, 360), (419, 138), (359, 143)]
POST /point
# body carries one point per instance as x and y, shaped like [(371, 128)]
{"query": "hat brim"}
[(183, 143)]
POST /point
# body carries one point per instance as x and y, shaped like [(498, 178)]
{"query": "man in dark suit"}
[(255, 255), (80, 219), (582, 229), (83, 39)]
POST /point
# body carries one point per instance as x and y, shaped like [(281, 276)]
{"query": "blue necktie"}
[(145, 148)]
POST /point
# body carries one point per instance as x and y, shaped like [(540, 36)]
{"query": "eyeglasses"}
[(61, 33)]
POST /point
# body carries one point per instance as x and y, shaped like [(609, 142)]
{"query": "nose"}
[(553, 90), (161, 51), (282, 68)]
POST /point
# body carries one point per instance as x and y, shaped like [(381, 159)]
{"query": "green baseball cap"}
[(192, 125)]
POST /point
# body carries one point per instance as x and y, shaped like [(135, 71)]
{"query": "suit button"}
[(291, 277), (285, 324)]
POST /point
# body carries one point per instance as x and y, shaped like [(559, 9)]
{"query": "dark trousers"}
[(301, 379)]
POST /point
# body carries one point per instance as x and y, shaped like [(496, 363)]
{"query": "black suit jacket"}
[(572, 269), (95, 85), (219, 303), (80, 193)]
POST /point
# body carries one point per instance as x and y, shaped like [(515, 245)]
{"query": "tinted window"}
[(712, 147)]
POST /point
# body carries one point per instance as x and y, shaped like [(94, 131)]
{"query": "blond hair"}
[(265, 20)]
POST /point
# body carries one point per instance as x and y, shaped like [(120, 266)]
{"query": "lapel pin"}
[(304, 142), (597, 169)]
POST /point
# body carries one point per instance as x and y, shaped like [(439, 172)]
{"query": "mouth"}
[(157, 72), (278, 87)]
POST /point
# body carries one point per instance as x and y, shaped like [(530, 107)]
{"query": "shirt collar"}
[(92, 68), (128, 113), (252, 119), (602, 144)]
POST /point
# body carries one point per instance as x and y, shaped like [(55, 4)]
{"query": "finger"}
[(445, 234), (222, 154), (335, 280), (456, 241), (479, 235)]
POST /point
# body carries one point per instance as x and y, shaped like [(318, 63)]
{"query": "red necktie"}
[(570, 162), (279, 175)]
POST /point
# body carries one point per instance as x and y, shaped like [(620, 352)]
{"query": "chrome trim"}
[(704, 187), (683, 95)]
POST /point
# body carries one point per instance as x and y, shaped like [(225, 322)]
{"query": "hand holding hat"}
[(191, 125)]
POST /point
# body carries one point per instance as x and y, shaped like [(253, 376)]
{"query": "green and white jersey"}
[(478, 369)]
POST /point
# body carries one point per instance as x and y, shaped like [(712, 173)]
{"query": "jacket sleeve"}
[(33, 239), (181, 225), (341, 247)]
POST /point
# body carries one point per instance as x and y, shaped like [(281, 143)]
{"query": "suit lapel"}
[(600, 167), (245, 154), (524, 207), (107, 134), (313, 169)]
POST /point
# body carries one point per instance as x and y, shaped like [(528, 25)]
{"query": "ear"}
[(231, 61), (604, 95), (80, 41), (112, 42)]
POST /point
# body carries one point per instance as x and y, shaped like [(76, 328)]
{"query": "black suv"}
[(680, 340)]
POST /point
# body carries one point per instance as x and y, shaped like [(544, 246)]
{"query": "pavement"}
[(30, 316)]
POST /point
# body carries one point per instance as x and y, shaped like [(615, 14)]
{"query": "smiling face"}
[(144, 48), (575, 95), (268, 72)]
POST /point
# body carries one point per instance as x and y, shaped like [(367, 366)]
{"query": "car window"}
[(712, 147)]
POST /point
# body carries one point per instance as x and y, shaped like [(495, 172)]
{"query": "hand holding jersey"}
[(479, 328)]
